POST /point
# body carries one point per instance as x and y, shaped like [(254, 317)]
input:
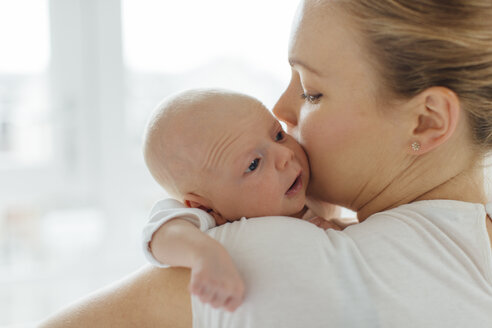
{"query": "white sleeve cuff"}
[(166, 210)]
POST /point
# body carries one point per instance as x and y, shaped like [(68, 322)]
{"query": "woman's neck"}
[(466, 186)]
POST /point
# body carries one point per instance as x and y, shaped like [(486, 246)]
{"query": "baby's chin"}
[(298, 209), (299, 214)]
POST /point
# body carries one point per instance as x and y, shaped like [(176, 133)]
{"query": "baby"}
[(224, 156)]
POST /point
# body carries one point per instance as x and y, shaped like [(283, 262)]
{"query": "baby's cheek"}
[(272, 197), (299, 152)]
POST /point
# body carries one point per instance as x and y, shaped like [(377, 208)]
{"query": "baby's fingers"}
[(203, 291), (232, 303), (207, 295), (218, 300), (235, 300), (199, 288), (199, 284)]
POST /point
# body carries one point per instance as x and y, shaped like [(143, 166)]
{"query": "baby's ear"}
[(195, 201), (192, 204)]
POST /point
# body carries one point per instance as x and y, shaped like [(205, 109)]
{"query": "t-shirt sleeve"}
[(166, 210)]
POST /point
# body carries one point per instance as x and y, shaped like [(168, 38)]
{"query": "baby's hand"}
[(215, 279), (324, 224)]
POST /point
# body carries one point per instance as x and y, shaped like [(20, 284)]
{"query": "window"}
[(26, 128), (78, 80)]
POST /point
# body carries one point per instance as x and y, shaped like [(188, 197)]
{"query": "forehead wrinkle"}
[(218, 151), (245, 123), (270, 133), (249, 150)]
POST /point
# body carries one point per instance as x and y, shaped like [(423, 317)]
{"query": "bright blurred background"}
[(78, 79)]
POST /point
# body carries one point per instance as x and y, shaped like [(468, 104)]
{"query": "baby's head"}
[(224, 152)]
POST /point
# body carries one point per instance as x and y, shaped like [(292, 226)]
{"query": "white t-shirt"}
[(168, 209), (425, 264)]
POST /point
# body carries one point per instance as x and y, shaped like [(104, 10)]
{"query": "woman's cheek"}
[(320, 133), (316, 135), (314, 131)]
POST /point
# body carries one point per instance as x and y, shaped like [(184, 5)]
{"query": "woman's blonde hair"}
[(423, 43)]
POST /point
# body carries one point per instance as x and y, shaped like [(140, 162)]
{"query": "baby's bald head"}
[(178, 129)]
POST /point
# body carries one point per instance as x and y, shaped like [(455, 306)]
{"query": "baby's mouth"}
[(296, 186)]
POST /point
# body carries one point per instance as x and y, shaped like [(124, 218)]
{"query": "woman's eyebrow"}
[(294, 62)]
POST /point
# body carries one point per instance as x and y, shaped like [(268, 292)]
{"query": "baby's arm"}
[(172, 237), (214, 278)]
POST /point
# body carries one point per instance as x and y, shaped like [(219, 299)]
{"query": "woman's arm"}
[(150, 297)]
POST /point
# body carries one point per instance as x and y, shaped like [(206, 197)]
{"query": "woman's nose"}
[(286, 109), (283, 157)]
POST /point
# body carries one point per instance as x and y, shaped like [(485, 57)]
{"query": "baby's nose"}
[(284, 157)]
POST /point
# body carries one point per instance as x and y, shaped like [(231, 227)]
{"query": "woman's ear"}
[(195, 201), (436, 118)]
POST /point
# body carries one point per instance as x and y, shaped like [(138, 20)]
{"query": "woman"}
[(392, 101)]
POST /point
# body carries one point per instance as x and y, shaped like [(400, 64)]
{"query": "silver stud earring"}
[(415, 146)]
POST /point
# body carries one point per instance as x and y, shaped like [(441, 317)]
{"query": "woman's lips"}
[(296, 186)]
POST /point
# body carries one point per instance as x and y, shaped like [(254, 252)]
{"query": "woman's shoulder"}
[(293, 272), (426, 234), (424, 220), (384, 265), (439, 216)]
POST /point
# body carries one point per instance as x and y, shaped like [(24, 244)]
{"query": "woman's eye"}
[(253, 165), (313, 99), (280, 136)]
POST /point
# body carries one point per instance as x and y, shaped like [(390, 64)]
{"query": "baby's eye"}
[(312, 99), (253, 165), (280, 136)]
